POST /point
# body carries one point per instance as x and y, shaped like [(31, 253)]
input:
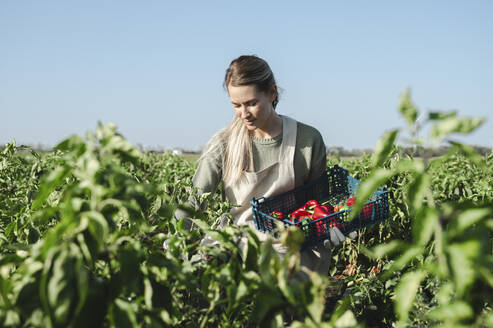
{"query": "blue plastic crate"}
[(337, 186)]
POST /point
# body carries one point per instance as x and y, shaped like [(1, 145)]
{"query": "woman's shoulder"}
[(213, 153), (308, 133)]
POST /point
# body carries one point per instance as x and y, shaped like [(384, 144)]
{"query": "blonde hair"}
[(233, 142)]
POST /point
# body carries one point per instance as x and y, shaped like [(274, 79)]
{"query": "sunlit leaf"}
[(292, 238), (424, 225), (461, 261), (470, 217), (316, 306), (405, 293), (201, 224), (384, 147), (407, 108), (267, 254), (409, 255), (347, 320), (455, 311), (450, 125), (386, 249), (417, 190), (368, 187)]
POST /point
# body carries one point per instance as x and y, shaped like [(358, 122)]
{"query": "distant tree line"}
[(416, 151)]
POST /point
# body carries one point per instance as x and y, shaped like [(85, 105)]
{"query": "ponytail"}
[(233, 143)]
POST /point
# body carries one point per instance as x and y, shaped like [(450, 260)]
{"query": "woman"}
[(261, 153)]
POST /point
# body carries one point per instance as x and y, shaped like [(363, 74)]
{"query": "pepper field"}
[(82, 229)]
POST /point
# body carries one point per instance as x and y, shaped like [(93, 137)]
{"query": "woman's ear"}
[(273, 93)]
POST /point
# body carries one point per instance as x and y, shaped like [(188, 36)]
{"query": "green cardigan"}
[(309, 159)]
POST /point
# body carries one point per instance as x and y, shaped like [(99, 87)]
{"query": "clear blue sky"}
[(155, 68)]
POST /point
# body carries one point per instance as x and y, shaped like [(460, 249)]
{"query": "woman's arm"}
[(319, 159), (310, 158), (207, 177)]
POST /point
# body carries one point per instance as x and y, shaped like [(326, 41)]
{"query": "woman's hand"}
[(336, 238)]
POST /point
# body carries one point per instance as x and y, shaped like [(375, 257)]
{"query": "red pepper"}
[(328, 208), (277, 215), (350, 201), (311, 204), (319, 212), (300, 213), (338, 208)]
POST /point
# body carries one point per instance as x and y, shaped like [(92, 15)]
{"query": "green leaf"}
[(252, 277), (347, 320), (486, 272), (33, 235), (241, 292), (439, 250), (52, 181), (488, 320), (10, 229), (455, 125), (129, 260), (95, 307), (424, 225), (161, 296), (470, 153), (201, 224), (386, 249), (27, 299), (403, 260), (11, 319), (73, 143), (267, 303), (438, 116), (417, 190), (284, 287), (451, 312), (384, 147), (83, 286), (340, 309), (405, 293), (445, 293), (317, 291), (416, 166), (63, 281), (267, 258), (122, 314), (148, 291), (469, 217), (407, 108), (250, 251), (292, 238), (463, 265), (98, 226), (368, 187)]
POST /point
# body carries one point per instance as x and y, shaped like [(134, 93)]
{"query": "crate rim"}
[(255, 201)]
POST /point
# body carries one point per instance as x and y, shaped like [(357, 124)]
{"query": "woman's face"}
[(253, 107)]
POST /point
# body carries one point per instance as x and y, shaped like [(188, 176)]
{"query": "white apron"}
[(271, 181)]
